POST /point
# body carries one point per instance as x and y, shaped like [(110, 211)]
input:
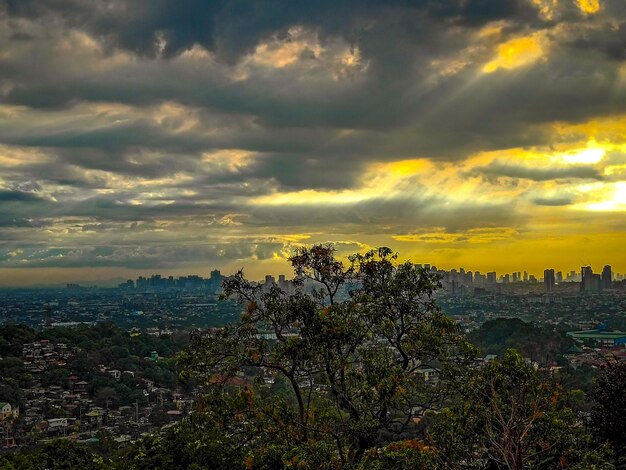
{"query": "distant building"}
[(607, 277), (600, 336), (6, 411), (549, 279), (590, 282), (491, 277)]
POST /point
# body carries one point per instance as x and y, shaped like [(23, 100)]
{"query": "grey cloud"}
[(380, 215), (615, 158), (308, 125), (139, 257), (234, 27), (497, 169), (554, 201), (17, 196), (610, 41)]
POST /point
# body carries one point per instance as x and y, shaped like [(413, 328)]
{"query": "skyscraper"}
[(590, 282), (549, 279), (607, 277)]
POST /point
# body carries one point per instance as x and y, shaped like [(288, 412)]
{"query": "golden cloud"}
[(518, 52)]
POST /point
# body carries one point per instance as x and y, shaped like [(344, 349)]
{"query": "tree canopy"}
[(358, 345), (508, 417)]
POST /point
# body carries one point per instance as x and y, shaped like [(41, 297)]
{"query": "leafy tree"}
[(350, 348), (608, 413), (12, 337), (107, 396), (59, 454), (509, 418), (401, 455), (11, 392), (198, 442), (539, 344)]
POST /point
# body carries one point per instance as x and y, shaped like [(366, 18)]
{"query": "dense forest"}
[(378, 378)]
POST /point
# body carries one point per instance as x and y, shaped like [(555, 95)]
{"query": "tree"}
[(608, 413), (59, 454), (540, 344), (351, 341), (508, 418), (106, 396)]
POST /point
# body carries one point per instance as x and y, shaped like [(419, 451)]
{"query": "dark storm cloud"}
[(609, 41), (376, 215), (233, 28), (398, 40), (538, 174), (17, 196), (21, 209), (88, 87)]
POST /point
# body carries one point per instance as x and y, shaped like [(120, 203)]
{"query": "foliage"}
[(351, 349), (200, 441), (103, 343), (538, 344), (12, 337), (608, 414), (60, 454), (401, 455), (509, 418)]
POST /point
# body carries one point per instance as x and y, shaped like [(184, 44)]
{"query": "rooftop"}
[(596, 334)]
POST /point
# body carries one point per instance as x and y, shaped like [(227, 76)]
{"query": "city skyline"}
[(487, 277), (183, 138)]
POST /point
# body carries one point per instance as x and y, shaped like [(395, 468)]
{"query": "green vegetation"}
[(354, 367), (101, 344), (363, 372), (58, 455), (537, 343), (509, 416), (608, 415)]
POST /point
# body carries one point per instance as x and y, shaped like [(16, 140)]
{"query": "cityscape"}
[(125, 397), (453, 280), (312, 235)]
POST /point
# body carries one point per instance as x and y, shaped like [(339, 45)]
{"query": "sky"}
[(178, 136)]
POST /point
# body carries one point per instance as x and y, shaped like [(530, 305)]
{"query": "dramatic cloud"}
[(185, 134)]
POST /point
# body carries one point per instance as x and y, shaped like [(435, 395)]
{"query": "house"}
[(81, 387), (428, 373), (6, 411)]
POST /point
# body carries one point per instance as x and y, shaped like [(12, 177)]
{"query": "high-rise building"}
[(590, 282), (491, 277), (559, 277), (607, 277), (549, 279)]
